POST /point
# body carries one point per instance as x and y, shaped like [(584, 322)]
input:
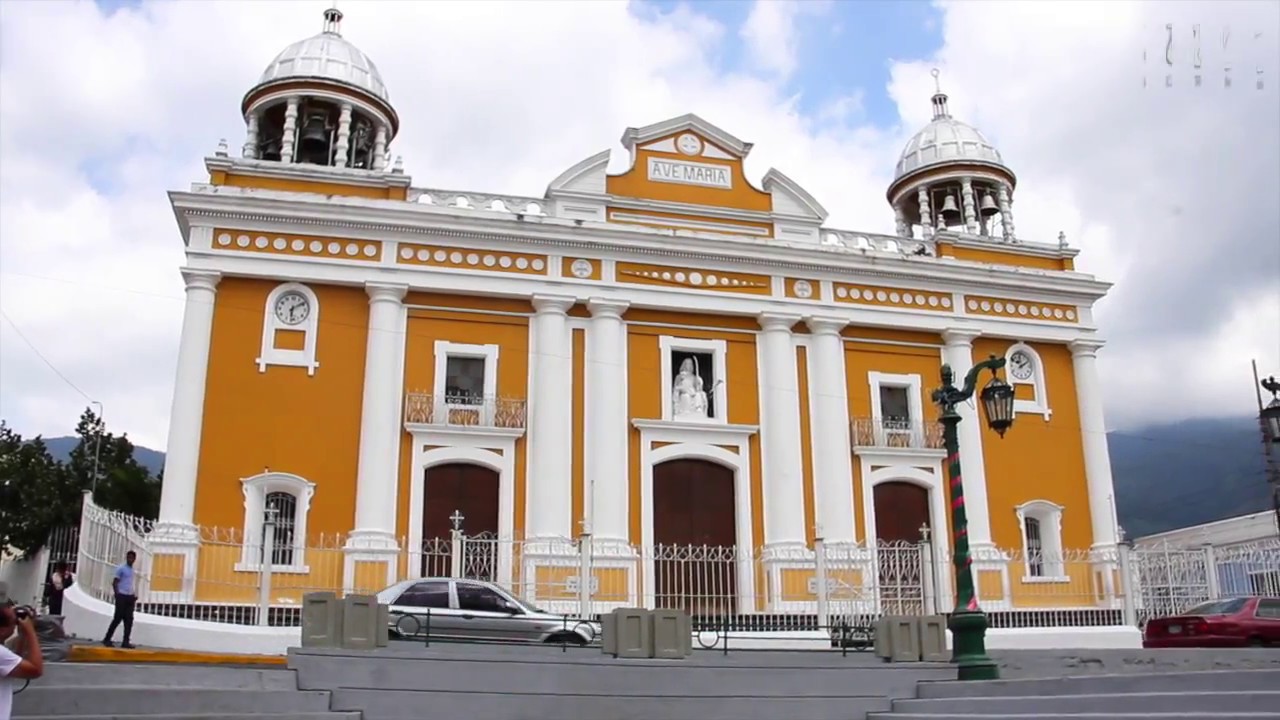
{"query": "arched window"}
[(1041, 525), (287, 499)]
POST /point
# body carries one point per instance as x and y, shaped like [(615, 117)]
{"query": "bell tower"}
[(950, 177), (322, 102)]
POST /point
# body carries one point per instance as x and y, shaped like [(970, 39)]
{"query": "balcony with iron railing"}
[(895, 434), (422, 408)]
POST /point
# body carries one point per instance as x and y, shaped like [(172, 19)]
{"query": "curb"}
[(98, 654)]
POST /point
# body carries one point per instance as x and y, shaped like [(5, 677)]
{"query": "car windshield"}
[(1217, 607)]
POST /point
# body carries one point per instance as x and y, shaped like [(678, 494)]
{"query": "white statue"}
[(688, 400)]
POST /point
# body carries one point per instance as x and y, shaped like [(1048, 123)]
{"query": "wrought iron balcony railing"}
[(895, 433), (422, 408)]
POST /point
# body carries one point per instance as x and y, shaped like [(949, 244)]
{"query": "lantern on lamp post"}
[(968, 624), (1270, 415)]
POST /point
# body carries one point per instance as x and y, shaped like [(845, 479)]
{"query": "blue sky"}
[(843, 51)]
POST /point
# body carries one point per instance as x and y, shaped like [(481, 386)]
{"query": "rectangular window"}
[(895, 415), (464, 380), (283, 508), (1035, 548)]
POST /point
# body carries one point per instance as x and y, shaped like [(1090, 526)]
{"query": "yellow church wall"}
[(274, 420), (579, 491), (865, 356), (806, 442), (636, 183), (475, 321), (644, 391)]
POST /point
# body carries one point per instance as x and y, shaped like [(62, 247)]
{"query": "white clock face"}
[(292, 308), (689, 144), (1021, 366)]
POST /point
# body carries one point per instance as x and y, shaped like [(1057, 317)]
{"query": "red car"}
[(1236, 622)]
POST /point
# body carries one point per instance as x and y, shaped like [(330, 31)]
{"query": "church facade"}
[(674, 356)]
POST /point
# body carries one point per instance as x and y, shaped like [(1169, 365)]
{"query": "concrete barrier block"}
[(360, 622), (383, 636), (609, 634), (933, 638), (321, 620), (883, 644), (633, 634), (905, 643), (672, 634)]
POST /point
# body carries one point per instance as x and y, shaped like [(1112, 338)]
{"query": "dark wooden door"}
[(902, 509), (472, 491), (695, 537)]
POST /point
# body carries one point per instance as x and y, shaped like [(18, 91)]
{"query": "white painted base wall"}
[(88, 617)]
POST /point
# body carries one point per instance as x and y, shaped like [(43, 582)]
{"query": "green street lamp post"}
[(968, 624)]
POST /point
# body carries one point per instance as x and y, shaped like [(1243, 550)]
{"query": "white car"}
[(458, 609)]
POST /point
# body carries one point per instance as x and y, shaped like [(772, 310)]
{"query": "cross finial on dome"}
[(333, 20), (939, 98)]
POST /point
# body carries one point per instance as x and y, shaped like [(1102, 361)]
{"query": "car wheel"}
[(1257, 642), (566, 639)]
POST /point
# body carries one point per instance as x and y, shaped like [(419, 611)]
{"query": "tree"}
[(122, 483), (37, 493)]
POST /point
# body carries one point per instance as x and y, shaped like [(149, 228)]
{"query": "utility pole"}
[(1273, 472), (97, 445)]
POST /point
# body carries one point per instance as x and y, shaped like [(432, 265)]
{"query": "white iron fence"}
[(220, 576)]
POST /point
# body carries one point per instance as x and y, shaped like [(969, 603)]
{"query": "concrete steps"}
[(518, 683), (91, 691), (1209, 695)]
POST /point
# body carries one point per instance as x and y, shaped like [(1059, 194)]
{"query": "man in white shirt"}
[(126, 599), (27, 664)]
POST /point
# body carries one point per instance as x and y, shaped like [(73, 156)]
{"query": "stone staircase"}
[(115, 691), (1204, 695), (495, 682)]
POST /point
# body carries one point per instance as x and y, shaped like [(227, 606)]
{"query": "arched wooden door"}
[(902, 511), (695, 537), (472, 492)]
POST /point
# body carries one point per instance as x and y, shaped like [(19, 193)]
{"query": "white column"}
[(783, 476), (379, 148), (607, 476), (548, 480), (344, 136), (958, 353), (926, 219), (1004, 201), (290, 128), (829, 418), (250, 149), (376, 481), (970, 207), (186, 416), (1093, 429)]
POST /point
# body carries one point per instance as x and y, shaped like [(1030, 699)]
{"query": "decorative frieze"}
[(299, 245), (689, 278), (893, 297), (1022, 309), (470, 259)]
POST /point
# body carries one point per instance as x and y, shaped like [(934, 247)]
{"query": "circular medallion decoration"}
[(689, 144), (803, 289)]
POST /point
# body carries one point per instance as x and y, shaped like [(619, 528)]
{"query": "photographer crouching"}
[(27, 663)]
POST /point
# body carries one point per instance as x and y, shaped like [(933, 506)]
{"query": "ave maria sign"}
[(690, 173)]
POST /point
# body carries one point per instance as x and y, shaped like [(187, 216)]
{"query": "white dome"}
[(946, 140), (327, 56)]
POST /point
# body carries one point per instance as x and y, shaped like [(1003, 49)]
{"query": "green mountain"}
[(1166, 476)]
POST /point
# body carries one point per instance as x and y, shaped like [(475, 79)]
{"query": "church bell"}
[(950, 213), (313, 139), (988, 207)]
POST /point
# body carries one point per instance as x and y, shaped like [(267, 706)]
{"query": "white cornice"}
[(383, 220), (775, 177), (688, 121), (307, 172), (1021, 247)]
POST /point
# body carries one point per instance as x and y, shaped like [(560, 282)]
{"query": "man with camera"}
[(27, 663)]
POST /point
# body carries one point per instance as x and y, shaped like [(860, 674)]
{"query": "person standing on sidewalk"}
[(126, 599), (27, 663)]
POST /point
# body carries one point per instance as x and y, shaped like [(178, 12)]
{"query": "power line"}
[(40, 355)]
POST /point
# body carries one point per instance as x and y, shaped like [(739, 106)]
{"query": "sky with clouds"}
[(1170, 192)]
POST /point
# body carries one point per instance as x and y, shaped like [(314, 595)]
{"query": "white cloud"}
[(1167, 192)]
